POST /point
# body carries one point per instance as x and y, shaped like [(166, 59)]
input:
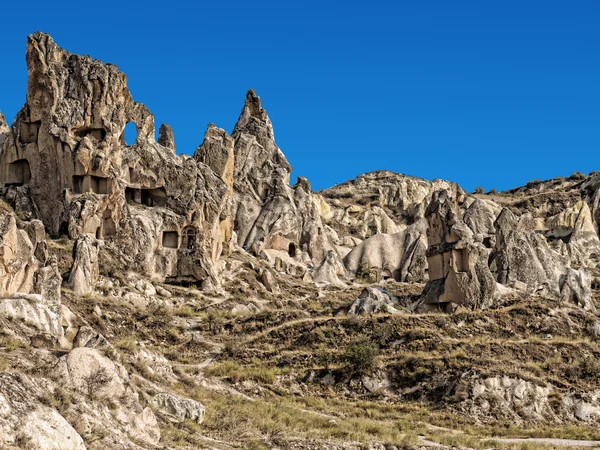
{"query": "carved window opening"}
[(28, 132), (487, 241), (154, 197), (78, 184), (188, 238), (109, 228), (99, 185), (292, 249), (170, 239), (91, 183), (19, 173), (97, 134), (131, 173), (147, 197), (99, 233), (461, 260), (386, 274)]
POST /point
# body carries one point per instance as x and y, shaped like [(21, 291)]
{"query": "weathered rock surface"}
[(32, 309), (177, 409), (399, 256), (84, 273), (458, 264), (269, 214), (88, 371), (373, 300), (24, 420), (67, 156)]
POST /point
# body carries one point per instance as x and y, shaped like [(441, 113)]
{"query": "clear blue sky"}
[(478, 92)]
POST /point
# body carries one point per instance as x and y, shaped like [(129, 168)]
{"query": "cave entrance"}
[(147, 197), (292, 249), (170, 239), (154, 197), (19, 173), (99, 185)]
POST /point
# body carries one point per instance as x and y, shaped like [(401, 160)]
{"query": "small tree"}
[(95, 381), (360, 357), (478, 190)]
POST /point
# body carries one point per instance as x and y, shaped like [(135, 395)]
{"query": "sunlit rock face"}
[(66, 162)]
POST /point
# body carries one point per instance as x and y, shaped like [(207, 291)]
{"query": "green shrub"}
[(360, 357)]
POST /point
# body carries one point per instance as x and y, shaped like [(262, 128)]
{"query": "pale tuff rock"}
[(66, 162), (521, 255), (217, 152), (575, 288), (177, 409), (373, 300), (24, 419), (33, 310), (80, 364), (399, 256), (519, 401), (367, 203), (84, 273), (330, 271), (4, 130), (88, 337), (166, 138), (18, 263), (269, 214), (458, 269)]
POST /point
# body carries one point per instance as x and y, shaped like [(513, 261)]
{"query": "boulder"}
[(33, 310), (88, 371), (373, 300), (177, 409), (23, 419)]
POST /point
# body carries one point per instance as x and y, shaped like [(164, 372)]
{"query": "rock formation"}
[(373, 300), (269, 214), (66, 155), (458, 269)]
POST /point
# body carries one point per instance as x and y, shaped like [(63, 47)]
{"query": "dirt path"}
[(550, 441)]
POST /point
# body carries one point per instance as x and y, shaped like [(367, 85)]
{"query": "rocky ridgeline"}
[(67, 172)]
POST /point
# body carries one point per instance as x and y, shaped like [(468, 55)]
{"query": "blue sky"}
[(488, 94)]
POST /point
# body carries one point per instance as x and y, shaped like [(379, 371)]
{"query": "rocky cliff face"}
[(66, 163), (270, 215), (128, 273)]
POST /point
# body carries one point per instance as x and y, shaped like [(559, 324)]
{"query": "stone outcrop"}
[(23, 419), (177, 409), (522, 256), (458, 264), (87, 370), (84, 273), (330, 271), (379, 202), (399, 256), (66, 159), (373, 300), (268, 213)]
